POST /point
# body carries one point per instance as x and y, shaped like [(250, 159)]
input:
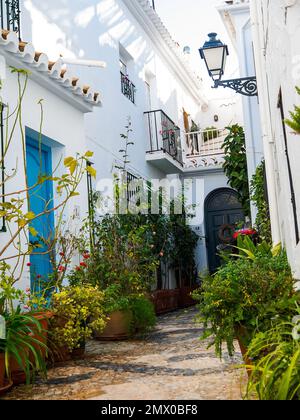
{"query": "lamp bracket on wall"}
[(246, 86)]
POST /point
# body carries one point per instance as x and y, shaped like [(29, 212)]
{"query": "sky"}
[(189, 22)]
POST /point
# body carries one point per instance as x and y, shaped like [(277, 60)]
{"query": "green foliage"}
[(246, 292), (258, 196), (235, 165), (144, 318), (210, 133), (77, 312), (20, 342), (275, 372), (294, 122)]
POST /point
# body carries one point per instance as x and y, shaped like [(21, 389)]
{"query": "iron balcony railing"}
[(205, 143), (164, 135), (128, 88), (10, 16)]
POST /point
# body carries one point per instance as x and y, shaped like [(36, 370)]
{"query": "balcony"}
[(165, 150), (128, 88), (204, 148), (10, 16)]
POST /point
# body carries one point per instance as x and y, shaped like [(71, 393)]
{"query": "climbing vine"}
[(258, 196), (235, 165), (294, 122)]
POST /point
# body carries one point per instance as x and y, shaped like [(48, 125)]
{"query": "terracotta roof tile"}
[(26, 52)]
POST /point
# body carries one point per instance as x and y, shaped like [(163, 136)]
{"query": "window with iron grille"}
[(10, 15), (127, 87)]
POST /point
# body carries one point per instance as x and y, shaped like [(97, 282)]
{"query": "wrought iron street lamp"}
[(215, 53)]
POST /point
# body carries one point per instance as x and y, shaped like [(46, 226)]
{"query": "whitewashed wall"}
[(238, 15), (276, 33), (93, 30), (63, 124)]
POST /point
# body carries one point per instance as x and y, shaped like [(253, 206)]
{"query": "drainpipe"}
[(268, 142)]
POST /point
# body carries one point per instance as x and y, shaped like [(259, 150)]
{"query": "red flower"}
[(29, 264), (38, 276), (62, 254), (86, 256), (61, 268), (83, 264), (246, 232), (78, 268)]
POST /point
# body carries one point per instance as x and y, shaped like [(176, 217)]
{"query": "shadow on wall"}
[(92, 29)]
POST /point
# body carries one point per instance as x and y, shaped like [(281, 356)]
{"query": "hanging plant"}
[(235, 165), (294, 122), (258, 196)]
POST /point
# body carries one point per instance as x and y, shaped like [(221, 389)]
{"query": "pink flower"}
[(26, 307)]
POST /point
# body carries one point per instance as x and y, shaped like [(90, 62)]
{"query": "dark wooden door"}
[(222, 207)]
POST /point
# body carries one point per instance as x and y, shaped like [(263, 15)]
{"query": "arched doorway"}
[(222, 207)]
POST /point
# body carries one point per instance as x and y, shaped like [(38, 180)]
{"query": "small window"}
[(123, 67)]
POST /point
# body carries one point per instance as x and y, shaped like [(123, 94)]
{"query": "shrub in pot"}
[(19, 344), (77, 311), (144, 317), (244, 295)]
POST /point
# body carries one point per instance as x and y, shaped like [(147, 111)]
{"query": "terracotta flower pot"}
[(17, 371), (42, 336), (242, 337), (117, 328), (2, 369)]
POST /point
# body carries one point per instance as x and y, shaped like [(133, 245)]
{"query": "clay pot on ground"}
[(42, 336), (117, 328), (5, 384), (242, 337), (17, 371)]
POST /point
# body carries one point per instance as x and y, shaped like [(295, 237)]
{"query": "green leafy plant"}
[(210, 133), (294, 122), (258, 196), (144, 318), (21, 345), (247, 292), (77, 312), (235, 164), (275, 371)]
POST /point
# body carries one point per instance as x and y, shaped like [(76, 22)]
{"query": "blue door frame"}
[(39, 163)]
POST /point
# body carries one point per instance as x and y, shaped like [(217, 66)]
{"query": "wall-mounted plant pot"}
[(117, 327), (2, 369)]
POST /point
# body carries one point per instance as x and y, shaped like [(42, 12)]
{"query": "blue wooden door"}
[(39, 163)]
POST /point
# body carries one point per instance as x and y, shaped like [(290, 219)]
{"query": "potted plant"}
[(77, 311), (119, 315), (244, 295), (19, 343)]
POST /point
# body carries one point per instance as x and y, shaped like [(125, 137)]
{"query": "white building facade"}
[(236, 17), (48, 139), (148, 79), (276, 34)]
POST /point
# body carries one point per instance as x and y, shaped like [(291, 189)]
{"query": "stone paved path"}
[(171, 363)]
